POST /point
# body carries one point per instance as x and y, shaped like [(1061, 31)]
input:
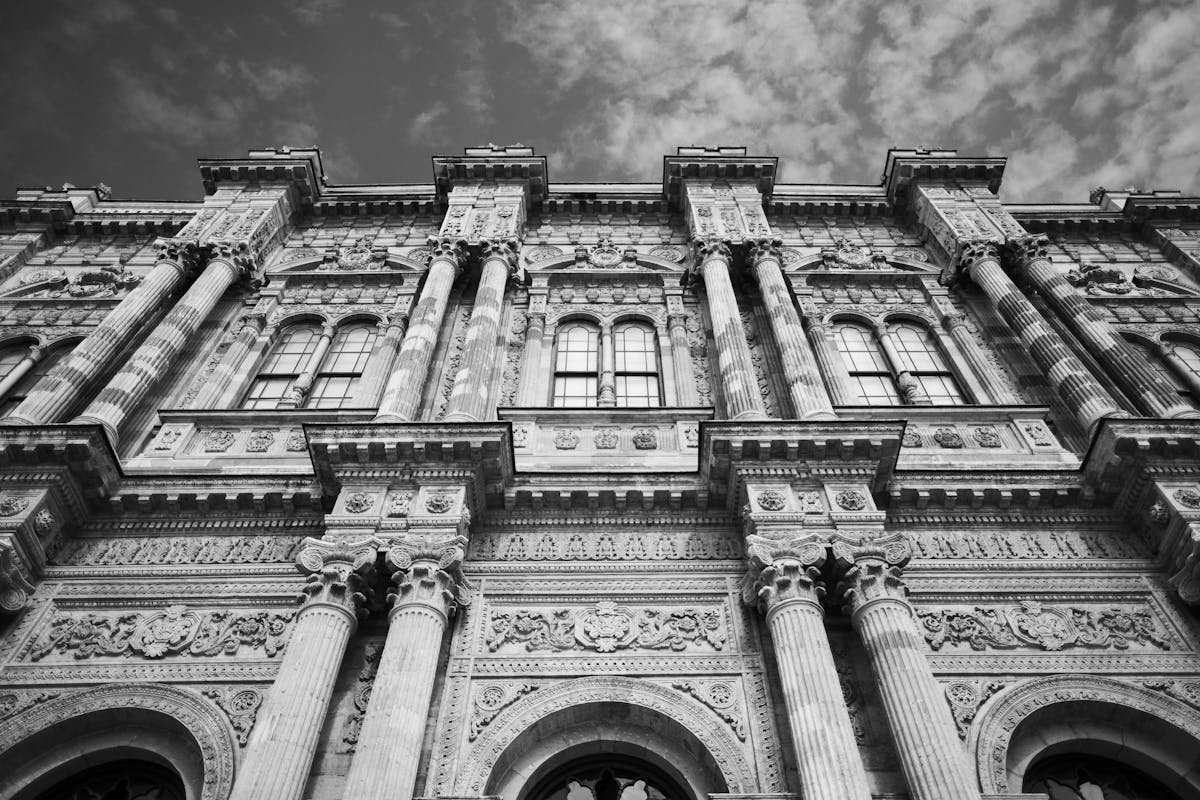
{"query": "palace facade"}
[(708, 487)]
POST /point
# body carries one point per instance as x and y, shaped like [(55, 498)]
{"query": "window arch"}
[(921, 357), (336, 382), (636, 366), (313, 366), (870, 375), (576, 365), (40, 368), (895, 364), (288, 360)]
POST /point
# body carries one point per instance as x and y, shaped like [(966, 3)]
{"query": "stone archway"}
[(160, 724), (633, 718), (1089, 715)]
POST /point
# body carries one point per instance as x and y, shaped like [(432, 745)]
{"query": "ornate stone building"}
[(715, 487)]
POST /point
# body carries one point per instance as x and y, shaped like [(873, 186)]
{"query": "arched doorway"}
[(605, 777), (126, 779), (1080, 776)]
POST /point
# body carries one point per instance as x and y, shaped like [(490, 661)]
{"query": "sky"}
[(1076, 94)]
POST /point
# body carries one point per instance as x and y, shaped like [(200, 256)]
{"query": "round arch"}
[(1090, 715), (628, 717), (147, 721)]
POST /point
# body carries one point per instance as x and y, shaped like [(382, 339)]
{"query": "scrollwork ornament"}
[(1188, 497), (241, 705), (965, 698), (645, 439), (295, 441), (605, 438), (948, 438), (566, 438), (986, 436)]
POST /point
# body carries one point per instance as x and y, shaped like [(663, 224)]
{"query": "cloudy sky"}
[(130, 93)]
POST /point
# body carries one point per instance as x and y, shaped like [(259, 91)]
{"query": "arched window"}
[(287, 361), (10, 356), (576, 365), (1177, 362), (119, 780), (870, 375), (39, 370), (337, 379), (1089, 777), (636, 369), (921, 358)]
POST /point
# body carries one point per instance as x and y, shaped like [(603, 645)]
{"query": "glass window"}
[(286, 362), (1088, 777), (576, 365), (336, 383), (870, 375), (23, 387), (1186, 357), (920, 357), (636, 368)]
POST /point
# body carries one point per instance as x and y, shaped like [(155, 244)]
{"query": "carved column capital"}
[(336, 574), (428, 573), (710, 248), (505, 250), (447, 248), (763, 249), (236, 254), (1021, 250), (974, 251), (871, 570), (784, 570), (183, 254)]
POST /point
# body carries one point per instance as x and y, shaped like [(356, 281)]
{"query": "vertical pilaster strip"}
[(383, 355), (533, 380), (468, 398), (809, 399), (280, 752), (76, 373), (156, 355), (402, 397), (1080, 392), (998, 392), (829, 360), (20, 370), (738, 382), (926, 742), (681, 356), (785, 581), (428, 584), (223, 377), (1153, 395)]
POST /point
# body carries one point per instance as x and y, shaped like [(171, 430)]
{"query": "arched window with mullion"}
[(636, 367), (39, 370), (870, 376), (920, 357), (337, 379), (287, 361), (576, 365)]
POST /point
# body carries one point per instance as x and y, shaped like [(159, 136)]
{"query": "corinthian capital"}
[(712, 248), (761, 249), (782, 570), (447, 248), (1023, 249), (236, 254), (503, 249), (871, 569), (335, 573), (428, 572), (183, 253), (975, 250)]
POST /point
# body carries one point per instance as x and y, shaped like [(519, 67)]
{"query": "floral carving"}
[(167, 438), (14, 702), (490, 700), (359, 502), (566, 438), (965, 698), (810, 503), (986, 436), (44, 522), (520, 435), (605, 438), (850, 500), (260, 440), (218, 441), (607, 627), (439, 503), (1188, 497), (295, 441), (668, 253), (241, 706), (176, 630), (1032, 624), (1038, 434), (542, 252), (771, 500), (912, 438), (1186, 690), (911, 253), (719, 696), (13, 505), (645, 439), (691, 435), (400, 505), (362, 696), (948, 438)]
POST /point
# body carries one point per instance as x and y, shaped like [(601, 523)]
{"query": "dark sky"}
[(131, 93)]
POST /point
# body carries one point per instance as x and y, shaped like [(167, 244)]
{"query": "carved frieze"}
[(608, 627), (178, 550), (1037, 626), (606, 545)]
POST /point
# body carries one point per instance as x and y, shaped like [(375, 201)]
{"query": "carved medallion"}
[(948, 438), (542, 252), (986, 436), (260, 440), (439, 503), (771, 500), (566, 438), (668, 252), (218, 441), (13, 505), (606, 438), (359, 502), (645, 439), (1188, 497), (850, 500)]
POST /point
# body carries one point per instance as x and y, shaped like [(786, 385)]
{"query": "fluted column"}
[(532, 385), (304, 382), (402, 397), (383, 355), (681, 359), (72, 376), (14, 376), (468, 398), (785, 581), (222, 386), (736, 371), (910, 388), (995, 391), (805, 386), (428, 587), (280, 752), (830, 360), (1140, 380), (873, 594), (1080, 392)]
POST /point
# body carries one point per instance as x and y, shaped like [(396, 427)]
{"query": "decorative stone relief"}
[(401, 503), (761, 369), (911, 253), (720, 696), (965, 698), (439, 503), (1032, 624), (17, 700), (362, 696), (360, 502), (176, 630), (850, 500), (606, 438), (178, 550), (241, 706), (698, 350), (218, 441), (645, 438), (948, 438), (260, 440), (1188, 497), (668, 253), (986, 436), (1026, 545), (490, 700), (295, 441), (12, 505), (542, 252), (1038, 434), (608, 627), (168, 437), (566, 438), (691, 435), (1186, 690), (514, 351), (771, 500), (520, 435), (637, 545)]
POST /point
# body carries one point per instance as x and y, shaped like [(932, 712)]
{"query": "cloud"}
[(424, 128), (314, 12), (157, 111)]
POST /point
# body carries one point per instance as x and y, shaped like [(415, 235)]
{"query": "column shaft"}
[(738, 382), (468, 398), (20, 370), (156, 355), (1083, 396), (994, 391), (389, 745), (809, 399), (830, 360), (607, 395), (929, 750), (826, 752), (383, 355), (1128, 367), (402, 397), (223, 380), (681, 362), (75, 374), (303, 384), (532, 385)]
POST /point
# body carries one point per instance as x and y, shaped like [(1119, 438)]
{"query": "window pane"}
[(877, 390), (292, 352), (10, 357), (333, 392), (1189, 355), (634, 345), (941, 389), (578, 349), (38, 371), (571, 390), (637, 391), (266, 392), (858, 347), (917, 350)]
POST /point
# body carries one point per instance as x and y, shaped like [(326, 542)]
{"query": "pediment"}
[(349, 260), (846, 257), (604, 256)]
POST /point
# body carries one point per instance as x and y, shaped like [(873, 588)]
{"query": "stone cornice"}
[(479, 164), (906, 166), (1141, 207), (723, 163), (300, 169)]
